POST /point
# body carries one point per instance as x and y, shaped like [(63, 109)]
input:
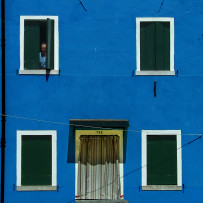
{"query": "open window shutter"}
[(161, 160), (50, 44), (31, 45), (36, 160), (147, 46), (162, 46)]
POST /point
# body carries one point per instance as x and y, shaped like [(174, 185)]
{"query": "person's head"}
[(43, 48)]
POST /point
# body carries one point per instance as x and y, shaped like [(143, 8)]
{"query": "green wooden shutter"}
[(154, 46), (147, 46), (31, 45), (161, 160), (162, 46), (36, 166), (50, 44)]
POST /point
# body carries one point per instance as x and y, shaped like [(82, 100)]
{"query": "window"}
[(39, 45), (99, 165), (161, 160), (155, 46), (36, 160)]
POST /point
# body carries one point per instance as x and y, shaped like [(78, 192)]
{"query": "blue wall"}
[(97, 55)]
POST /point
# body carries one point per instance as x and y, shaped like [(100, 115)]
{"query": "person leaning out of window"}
[(42, 55)]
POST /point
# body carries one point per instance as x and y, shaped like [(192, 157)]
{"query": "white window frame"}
[(24, 71), (53, 134), (78, 133), (153, 72), (177, 133)]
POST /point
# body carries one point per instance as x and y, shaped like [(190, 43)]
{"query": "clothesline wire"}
[(68, 124), (139, 168), (75, 125)]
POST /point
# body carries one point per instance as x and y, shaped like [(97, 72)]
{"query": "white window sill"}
[(101, 201), (37, 188), (161, 187), (39, 72), (155, 72)]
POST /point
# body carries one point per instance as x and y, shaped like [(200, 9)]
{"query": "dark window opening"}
[(39, 44)]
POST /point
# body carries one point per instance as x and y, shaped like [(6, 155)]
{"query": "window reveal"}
[(36, 160), (155, 46), (161, 160), (37, 33)]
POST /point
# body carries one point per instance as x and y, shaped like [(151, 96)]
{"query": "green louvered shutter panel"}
[(31, 45), (147, 46), (36, 164), (153, 161), (154, 46), (162, 46), (161, 160), (50, 44)]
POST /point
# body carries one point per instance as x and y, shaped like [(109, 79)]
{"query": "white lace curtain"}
[(98, 168)]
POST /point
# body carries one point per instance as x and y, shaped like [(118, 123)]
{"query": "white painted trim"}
[(144, 156), (144, 159), (172, 34), (151, 19), (54, 159), (38, 72), (56, 44), (18, 158), (164, 19), (101, 201), (179, 158), (155, 73), (78, 133), (138, 44), (53, 133), (161, 187), (36, 188), (122, 179), (76, 179)]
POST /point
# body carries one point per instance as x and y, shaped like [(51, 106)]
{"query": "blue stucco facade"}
[(97, 60)]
